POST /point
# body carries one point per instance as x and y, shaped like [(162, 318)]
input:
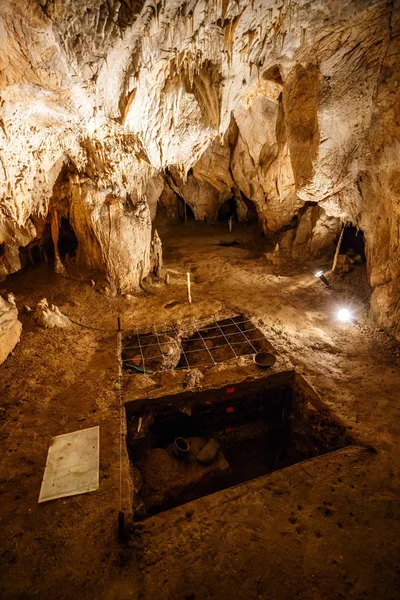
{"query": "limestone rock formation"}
[(156, 255), (208, 452), (50, 316), (10, 328), (313, 236), (289, 109)]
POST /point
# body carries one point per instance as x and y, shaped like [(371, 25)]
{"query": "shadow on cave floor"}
[(249, 237)]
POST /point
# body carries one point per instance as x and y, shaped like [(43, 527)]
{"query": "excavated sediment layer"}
[(232, 435)]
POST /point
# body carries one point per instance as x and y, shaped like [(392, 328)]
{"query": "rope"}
[(90, 327)]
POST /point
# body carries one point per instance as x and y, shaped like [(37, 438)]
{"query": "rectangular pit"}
[(201, 343), (260, 425)]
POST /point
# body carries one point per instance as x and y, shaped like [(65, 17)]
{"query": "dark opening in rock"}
[(254, 428), (67, 243), (39, 250), (353, 242), (228, 210), (185, 213)]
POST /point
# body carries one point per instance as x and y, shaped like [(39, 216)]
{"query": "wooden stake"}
[(167, 278), (188, 288), (122, 533), (337, 249), (230, 224)]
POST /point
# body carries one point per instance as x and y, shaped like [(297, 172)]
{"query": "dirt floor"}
[(324, 529)]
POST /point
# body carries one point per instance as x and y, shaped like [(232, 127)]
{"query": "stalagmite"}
[(55, 229), (50, 316), (157, 258)]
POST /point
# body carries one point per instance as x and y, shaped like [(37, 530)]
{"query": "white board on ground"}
[(72, 465)]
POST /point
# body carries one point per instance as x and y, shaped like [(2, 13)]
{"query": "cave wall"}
[(289, 106), (379, 184), (10, 328)]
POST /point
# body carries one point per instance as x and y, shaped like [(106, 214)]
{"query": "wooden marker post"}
[(230, 224), (335, 258), (188, 288)]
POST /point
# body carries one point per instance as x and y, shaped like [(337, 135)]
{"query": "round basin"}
[(264, 359)]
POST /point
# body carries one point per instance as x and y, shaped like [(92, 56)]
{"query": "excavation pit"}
[(235, 434), (202, 343)]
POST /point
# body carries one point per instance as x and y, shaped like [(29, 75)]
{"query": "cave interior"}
[(200, 256)]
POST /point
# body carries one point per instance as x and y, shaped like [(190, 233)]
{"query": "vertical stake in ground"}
[(335, 258), (188, 287), (121, 516)]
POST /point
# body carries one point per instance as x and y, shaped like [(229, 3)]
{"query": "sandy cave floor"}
[(327, 529)]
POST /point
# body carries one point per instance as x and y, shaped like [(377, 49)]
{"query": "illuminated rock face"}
[(10, 328), (108, 107)]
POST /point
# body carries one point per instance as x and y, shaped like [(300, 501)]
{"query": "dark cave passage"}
[(67, 243), (185, 213), (228, 210), (39, 250), (353, 242)]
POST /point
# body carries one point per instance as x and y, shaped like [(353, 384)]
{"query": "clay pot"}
[(181, 447)]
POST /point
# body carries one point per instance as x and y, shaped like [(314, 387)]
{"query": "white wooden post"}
[(188, 288)]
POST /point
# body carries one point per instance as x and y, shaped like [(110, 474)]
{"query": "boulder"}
[(343, 264), (10, 328), (208, 452), (50, 316)]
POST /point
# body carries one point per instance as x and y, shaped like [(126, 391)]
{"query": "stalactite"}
[(156, 14), (284, 34)]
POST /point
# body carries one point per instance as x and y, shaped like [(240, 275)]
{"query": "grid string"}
[(203, 337)]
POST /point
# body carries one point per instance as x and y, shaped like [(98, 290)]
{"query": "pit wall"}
[(281, 373), (311, 415)]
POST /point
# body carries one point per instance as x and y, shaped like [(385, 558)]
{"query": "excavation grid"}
[(200, 343)]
